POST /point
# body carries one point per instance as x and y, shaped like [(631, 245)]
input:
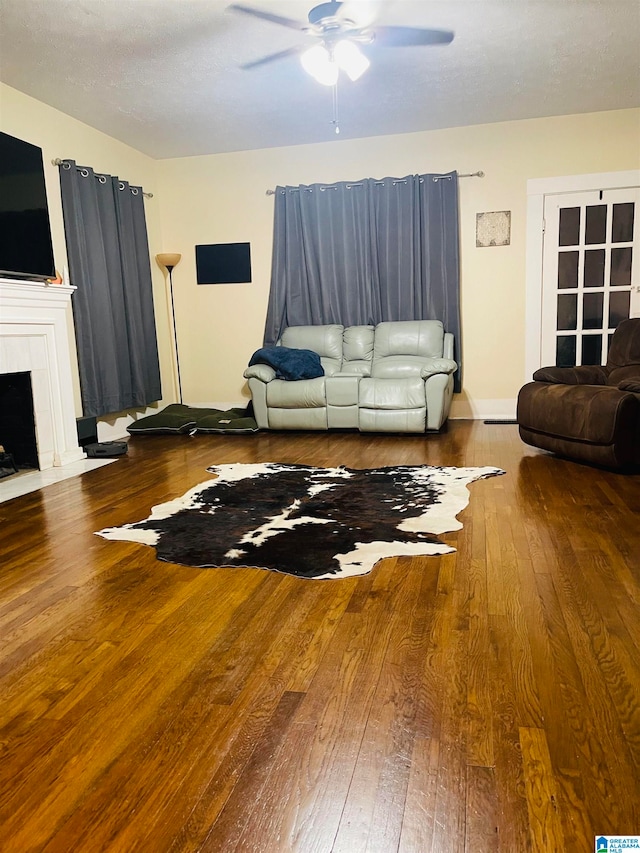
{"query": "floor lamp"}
[(169, 261)]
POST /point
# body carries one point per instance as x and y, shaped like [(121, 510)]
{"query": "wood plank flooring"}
[(484, 700)]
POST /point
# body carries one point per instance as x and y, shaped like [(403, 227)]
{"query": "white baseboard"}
[(483, 409)]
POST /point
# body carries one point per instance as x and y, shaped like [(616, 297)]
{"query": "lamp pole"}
[(169, 260)]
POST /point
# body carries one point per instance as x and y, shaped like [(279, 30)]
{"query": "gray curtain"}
[(109, 263), (360, 252)]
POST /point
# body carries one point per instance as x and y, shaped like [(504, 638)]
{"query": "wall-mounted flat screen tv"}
[(26, 250), (223, 263)]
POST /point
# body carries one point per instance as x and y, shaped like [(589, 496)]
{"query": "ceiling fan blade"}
[(273, 57), (410, 36), (269, 16)]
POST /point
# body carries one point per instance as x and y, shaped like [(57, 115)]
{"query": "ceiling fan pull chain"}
[(336, 121)]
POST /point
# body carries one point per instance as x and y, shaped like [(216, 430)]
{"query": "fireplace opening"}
[(17, 424)]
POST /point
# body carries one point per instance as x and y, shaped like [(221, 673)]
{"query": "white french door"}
[(590, 272)]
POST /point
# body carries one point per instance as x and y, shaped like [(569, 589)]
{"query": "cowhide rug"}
[(309, 522)]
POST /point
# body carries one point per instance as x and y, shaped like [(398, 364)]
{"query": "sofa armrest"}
[(438, 365), (263, 372), (588, 374), (447, 349), (630, 385)]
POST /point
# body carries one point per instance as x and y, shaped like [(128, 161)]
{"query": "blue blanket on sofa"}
[(290, 363)]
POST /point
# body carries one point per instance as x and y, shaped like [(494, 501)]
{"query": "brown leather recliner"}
[(589, 413)]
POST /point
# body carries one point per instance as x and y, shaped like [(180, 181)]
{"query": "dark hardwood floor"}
[(484, 700)]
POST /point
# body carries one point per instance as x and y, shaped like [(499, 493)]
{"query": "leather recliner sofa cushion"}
[(308, 394), (298, 418), (585, 413), (392, 420), (409, 337), (392, 393), (325, 340), (403, 349), (398, 367), (342, 390), (623, 359), (357, 350)]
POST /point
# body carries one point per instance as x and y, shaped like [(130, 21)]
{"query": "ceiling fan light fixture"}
[(318, 63), (351, 59)]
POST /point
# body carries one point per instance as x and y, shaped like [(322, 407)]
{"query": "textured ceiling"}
[(164, 76)]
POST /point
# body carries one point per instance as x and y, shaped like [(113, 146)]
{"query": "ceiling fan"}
[(338, 34)]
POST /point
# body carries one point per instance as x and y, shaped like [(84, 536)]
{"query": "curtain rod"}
[(59, 162), (397, 181)]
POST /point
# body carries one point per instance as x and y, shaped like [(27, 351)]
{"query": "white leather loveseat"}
[(394, 377)]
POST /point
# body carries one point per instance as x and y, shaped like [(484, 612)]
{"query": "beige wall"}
[(61, 136), (221, 198)]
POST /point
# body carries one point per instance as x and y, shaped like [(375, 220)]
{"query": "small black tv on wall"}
[(26, 250), (223, 263)]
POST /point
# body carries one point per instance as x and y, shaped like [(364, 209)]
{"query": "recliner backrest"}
[(325, 340), (402, 347), (624, 352), (357, 350)]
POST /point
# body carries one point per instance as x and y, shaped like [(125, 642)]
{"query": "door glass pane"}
[(566, 351), (567, 311), (622, 225), (619, 301), (621, 260), (596, 227), (592, 349), (569, 230), (594, 268), (592, 311), (567, 269)]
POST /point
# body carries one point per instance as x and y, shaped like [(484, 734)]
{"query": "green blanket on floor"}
[(179, 419)]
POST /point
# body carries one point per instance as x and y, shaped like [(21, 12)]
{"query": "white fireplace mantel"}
[(34, 339)]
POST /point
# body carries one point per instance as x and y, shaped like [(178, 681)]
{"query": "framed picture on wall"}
[(223, 263)]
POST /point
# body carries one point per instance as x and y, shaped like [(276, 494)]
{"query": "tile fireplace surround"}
[(34, 338)]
